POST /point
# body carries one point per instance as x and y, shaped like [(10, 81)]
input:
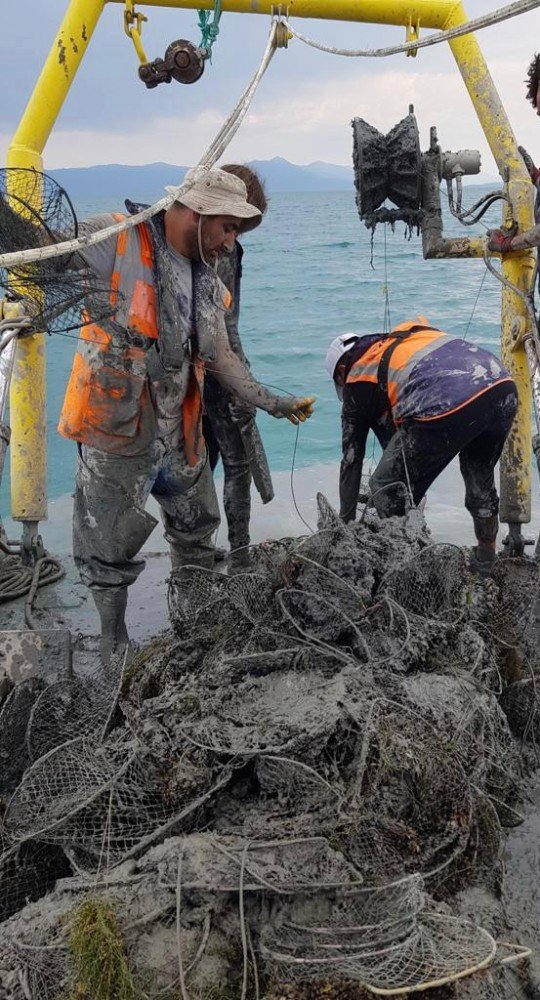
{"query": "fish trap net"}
[(438, 951), (432, 585), (412, 796), (14, 718), (60, 293), (278, 868), (43, 970), (99, 801)]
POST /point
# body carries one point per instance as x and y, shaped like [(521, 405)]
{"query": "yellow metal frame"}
[(27, 404), (133, 22)]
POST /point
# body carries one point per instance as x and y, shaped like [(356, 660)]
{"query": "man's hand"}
[(500, 241), (534, 172), (296, 409)]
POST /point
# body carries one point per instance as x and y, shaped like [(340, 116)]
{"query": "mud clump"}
[(303, 784)]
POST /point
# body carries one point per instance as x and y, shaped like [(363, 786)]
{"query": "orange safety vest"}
[(107, 403), (407, 351)]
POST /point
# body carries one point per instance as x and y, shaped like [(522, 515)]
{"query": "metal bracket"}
[(519, 331), (31, 544), (283, 35), (412, 34), (515, 543), (133, 22)]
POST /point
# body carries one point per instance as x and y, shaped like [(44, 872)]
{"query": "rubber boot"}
[(483, 554), (111, 607)]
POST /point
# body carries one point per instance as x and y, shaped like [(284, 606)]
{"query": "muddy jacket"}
[(416, 373), (108, 403)]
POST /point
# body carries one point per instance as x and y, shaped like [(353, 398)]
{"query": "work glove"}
[(534, 172), (296, 409), (500, 240)]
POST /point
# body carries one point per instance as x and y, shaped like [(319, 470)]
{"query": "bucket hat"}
[(216, 192)]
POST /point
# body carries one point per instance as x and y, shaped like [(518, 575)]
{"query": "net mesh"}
[(299, 777), (59, 294)]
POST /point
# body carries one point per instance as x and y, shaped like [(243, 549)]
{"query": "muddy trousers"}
[(223, 438), (110, 524), (418, 452)]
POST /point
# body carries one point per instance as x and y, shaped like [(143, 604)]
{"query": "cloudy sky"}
[(302, 109)]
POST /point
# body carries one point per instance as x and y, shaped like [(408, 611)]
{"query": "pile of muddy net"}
[(290, 793)]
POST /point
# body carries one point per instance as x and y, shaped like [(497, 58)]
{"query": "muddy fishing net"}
[(299, 778), (58, 294)]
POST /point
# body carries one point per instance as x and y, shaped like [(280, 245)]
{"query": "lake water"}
[(308, 276)]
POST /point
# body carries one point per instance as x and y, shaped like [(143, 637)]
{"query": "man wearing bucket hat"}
[(428, 397), (134, 398)]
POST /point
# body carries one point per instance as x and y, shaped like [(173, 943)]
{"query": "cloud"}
[(314, 123)]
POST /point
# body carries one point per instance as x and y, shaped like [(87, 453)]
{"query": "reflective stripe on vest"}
[(420, 341), (107, 403)]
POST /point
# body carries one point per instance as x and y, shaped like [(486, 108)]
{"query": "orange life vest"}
[(407, 351), (107, 404)]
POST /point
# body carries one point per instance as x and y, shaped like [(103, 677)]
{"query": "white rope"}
[(226, 133), (496, 16)]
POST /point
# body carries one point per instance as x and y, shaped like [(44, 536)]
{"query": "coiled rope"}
[(18, 580), (486, 21), (226, 133)]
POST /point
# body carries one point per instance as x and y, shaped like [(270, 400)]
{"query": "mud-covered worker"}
[(134, 398), (428, 397), (226, 415), (502, 241)]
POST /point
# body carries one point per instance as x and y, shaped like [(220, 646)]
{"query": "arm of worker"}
[(230, 272), (100, 257), (533, 171), (355, 425), (233, 374), (501, 242)]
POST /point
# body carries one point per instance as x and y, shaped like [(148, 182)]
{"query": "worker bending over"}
[(134, 399), (428, 397)]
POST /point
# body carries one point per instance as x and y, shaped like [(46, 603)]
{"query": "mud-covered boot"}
[(111, 606), (483, 555)]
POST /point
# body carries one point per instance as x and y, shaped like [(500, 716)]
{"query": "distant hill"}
[(113, 182), (146, 183)]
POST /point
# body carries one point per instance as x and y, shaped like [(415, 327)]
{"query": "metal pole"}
[(28, 389), (518, 268), (428, 13)]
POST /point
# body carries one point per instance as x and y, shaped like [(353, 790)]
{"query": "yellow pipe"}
[(28, 453), (516, 462), (430, 13)]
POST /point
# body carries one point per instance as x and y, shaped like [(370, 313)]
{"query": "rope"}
[(527, 297), (486, 21), (17, 580), (476, 301), (216, 149), (209, 28)]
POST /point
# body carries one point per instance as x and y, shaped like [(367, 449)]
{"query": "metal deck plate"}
[(45, 653)]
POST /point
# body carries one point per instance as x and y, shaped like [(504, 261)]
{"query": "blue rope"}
[(209, 28)]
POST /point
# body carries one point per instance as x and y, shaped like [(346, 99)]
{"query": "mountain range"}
[(146, 182)]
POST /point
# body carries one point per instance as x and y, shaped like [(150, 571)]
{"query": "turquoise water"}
[(307, 277)]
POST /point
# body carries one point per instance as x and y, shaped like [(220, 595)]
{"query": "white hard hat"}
[(339, 346)]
